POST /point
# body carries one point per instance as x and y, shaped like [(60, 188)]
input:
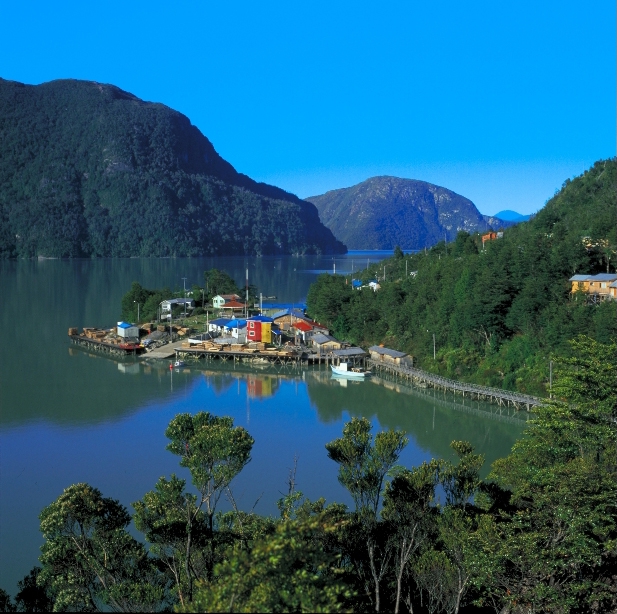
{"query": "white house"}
[(237, 329), (167, 305)]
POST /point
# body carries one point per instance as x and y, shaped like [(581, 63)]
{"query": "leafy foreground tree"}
[(33, 595), (290, 571), (362, 470), (554, 498), (90, 561), (179, 525)]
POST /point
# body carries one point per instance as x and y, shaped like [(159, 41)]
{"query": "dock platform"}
[(116, 349)]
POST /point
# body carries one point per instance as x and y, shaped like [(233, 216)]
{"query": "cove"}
[(73, 416)]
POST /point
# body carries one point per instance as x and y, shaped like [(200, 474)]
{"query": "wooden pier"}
[(281, 357), (486, 393), (115, 349)]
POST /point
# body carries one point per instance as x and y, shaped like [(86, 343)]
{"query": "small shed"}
[(388, 356), (325, 343), (350, 355), (237, 329), (259, 328), (127, 330)]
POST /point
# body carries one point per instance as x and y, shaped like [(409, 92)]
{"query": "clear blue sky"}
[(500, 102)]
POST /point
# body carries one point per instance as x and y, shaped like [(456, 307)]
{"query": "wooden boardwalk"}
[(443, 398), (424, 379)]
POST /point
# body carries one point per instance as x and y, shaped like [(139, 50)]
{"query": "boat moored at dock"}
[(343, 370)]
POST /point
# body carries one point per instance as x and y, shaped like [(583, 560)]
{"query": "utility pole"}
[(550, 379), (384, 272), (184, 286), (247, 293), (434, 353), (137, 312), (334, 271)]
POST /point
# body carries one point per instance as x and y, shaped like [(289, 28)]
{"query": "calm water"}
[(69, 416)]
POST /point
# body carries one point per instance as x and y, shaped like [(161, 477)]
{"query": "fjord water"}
[(67, 415)]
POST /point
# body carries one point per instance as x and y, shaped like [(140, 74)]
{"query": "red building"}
[(253, 330)]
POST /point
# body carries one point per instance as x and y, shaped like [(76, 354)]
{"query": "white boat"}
[(343, 370), (177, 365)]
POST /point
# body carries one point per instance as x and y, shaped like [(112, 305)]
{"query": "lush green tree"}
[(558, 508), (32, 595), (363, 466), (288, 571), (182, 525), (409, 512), (89, 560), (219, 282), (6, 603)]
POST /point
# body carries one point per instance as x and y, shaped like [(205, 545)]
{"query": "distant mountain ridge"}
[(385, 211), (511, 216), (87, 169)]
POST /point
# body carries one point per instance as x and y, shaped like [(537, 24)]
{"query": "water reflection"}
[(69, 415)]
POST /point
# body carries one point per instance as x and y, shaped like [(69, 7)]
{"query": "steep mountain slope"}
[(87, 169), (383, 212)]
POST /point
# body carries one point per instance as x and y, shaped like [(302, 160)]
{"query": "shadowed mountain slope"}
[(87, 169), (383, 212)]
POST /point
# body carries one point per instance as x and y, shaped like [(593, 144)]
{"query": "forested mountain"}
[(499, 312), (87, 169), (382, 212)]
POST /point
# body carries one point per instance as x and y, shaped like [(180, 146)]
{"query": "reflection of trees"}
[(430, 424)]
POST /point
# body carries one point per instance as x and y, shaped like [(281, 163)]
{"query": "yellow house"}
[(601, 285)]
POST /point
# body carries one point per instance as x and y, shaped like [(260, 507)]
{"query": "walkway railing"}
[(496, 395)]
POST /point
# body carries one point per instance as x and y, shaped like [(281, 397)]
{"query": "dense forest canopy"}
[(87, 169), (498, 311), (382, 212)]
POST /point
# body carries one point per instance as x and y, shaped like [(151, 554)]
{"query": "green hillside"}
[(382, 212), (87, 169), (499, 313)]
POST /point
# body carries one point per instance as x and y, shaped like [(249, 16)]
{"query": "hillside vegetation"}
[(500, 313), (87, 169), (382, 212)]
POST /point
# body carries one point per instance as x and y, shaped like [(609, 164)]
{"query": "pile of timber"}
[(95, 333)]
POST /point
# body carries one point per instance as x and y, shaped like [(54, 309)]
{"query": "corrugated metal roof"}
[(349, 352), (285, 312), (321, 338), (598, 277), (387, 351), (613, 285)]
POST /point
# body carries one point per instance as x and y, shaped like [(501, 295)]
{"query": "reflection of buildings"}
[(258, 385)]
